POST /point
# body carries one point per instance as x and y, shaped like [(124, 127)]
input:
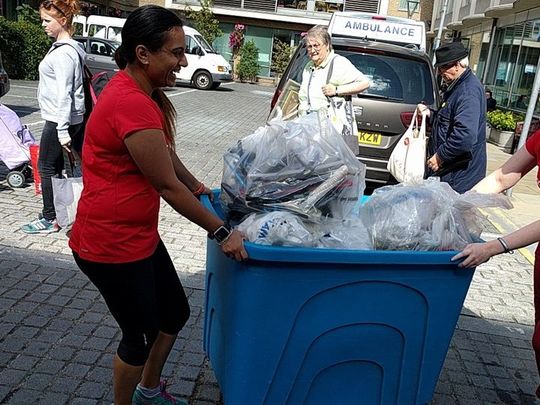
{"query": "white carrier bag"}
[(408, 159)]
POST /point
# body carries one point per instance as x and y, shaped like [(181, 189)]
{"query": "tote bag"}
[(66, 194), (341, 114), (67, 191), (408, 159)]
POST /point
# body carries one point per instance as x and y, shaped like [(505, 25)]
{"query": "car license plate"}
[(369, 138)]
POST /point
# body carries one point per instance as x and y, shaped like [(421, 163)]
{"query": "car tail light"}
[(406, 118), (275, 98)]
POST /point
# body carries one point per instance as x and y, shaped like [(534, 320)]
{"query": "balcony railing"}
[(325, 6)]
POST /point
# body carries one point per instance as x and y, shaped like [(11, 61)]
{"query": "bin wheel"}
[(15, 179), (203, 80)]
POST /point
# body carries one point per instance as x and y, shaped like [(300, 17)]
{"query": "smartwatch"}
[(221, 234)]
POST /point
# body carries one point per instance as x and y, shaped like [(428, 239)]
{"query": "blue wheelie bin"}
[(303, 326)]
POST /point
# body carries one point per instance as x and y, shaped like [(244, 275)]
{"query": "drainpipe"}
[(490, 50), (439, 32)]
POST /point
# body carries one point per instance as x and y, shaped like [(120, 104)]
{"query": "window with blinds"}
[(366, 6)]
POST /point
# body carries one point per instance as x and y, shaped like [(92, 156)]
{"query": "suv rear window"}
[(393, 78), (404, 80)]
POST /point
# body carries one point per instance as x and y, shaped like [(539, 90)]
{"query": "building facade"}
[(504, 41), (266, 21)]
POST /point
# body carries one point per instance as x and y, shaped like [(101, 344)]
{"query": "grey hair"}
[(320, 32), (464, 63)]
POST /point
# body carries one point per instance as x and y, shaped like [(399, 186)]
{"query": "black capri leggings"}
[(144, 297)]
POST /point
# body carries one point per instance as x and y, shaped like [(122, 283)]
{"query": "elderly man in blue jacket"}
[(457, 147)]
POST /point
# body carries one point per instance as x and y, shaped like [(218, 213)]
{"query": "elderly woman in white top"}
[(316, 89)]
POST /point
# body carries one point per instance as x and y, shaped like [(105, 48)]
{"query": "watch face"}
[(221, 234)]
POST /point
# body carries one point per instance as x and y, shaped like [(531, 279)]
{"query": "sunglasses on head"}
[(48, 4)]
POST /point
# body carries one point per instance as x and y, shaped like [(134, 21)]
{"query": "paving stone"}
[(38, 381), (50, 366), (87, 356), (23, 362), (91, 390)]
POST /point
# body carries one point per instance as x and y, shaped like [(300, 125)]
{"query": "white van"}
[(99, 26), (206, 68)]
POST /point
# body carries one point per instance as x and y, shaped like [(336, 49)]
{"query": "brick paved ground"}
[(57, 338)]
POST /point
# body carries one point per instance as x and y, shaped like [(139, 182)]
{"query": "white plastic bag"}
[(408, 159), (278, 228), (66, 194)]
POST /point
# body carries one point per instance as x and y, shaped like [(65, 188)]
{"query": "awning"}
[(474, 19), (499, 11), (522, 5)]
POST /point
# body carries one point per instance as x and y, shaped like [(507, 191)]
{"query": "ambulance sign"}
[(378, 30)]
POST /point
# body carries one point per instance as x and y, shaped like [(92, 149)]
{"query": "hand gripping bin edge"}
[(317, 326)]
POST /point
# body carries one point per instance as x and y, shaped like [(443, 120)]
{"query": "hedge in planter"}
[(503, 120), (23, 45), (248, 68), (503, 125)]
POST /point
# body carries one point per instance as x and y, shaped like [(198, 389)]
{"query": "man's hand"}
[(423, 109), (434, 162)]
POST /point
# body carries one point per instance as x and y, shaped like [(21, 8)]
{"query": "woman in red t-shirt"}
[(130, 162), (476, 253)]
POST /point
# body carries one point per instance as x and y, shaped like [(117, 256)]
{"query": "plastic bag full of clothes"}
[(282, 228), (428, 216), (301, 166)]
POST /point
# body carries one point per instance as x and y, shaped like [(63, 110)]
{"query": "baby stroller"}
[(15, 141)]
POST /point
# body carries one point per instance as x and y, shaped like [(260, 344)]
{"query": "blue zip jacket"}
[(459, 128)]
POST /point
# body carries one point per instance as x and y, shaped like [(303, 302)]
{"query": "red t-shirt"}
[(117, 215), (533, 147)]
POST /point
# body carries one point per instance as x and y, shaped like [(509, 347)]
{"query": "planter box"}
[(503, 139)]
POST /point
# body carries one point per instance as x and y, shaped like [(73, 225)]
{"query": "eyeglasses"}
[(48, 4), (313, 46)]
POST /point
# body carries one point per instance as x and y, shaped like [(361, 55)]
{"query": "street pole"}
[(439, 32), (529, 115), (490, 49)]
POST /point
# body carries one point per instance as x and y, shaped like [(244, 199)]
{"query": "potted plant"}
[(236, 40), (503, 124)]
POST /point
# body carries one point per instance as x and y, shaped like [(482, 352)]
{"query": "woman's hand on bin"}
[(233, 247), (475, 254), (208, 191)]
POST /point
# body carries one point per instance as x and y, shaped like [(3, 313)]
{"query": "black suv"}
[(400, 77)]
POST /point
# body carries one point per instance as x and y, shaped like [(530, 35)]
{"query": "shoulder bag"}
[(341, 113)]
